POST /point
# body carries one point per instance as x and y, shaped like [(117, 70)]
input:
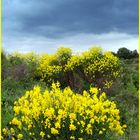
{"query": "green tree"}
[(134, 54), (124, 53)]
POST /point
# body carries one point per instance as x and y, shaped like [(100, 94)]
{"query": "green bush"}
[(127, 54)]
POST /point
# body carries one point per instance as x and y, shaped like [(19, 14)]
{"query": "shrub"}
[(92, 67), (19, 66), (58, 114), (63, 55)]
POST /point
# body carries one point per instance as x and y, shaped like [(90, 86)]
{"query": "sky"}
[(45, 25)]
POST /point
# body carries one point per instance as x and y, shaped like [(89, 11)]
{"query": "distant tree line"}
[(125, 53)]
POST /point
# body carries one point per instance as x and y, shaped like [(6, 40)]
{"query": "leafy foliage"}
[(126, 53)]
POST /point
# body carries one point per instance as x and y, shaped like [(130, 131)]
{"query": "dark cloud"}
[(57, 18)]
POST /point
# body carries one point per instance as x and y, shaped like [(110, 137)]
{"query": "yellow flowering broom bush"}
[(92, 66), (63, 115)]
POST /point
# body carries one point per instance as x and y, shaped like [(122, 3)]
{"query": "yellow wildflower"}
[(12, 130), (100, 132), (15, 121), (42, 134), (72, 137), (72, 127), (54, 131), (94, 90), (72, 116), (4, 130), (19, 136)]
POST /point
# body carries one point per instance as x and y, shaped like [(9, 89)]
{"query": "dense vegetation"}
[(104, 80), (80, 70)]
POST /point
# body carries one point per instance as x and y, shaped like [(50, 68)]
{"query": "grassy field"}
[(125, 93)]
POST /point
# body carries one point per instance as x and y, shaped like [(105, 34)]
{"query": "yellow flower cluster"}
[(107, 66), (74, 62), (48, 67), (57, 114), (93, 63), (63, 55)]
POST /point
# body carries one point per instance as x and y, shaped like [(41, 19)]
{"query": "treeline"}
[(124, 53)]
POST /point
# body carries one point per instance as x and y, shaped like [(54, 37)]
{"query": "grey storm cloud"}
[(57, 18)]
